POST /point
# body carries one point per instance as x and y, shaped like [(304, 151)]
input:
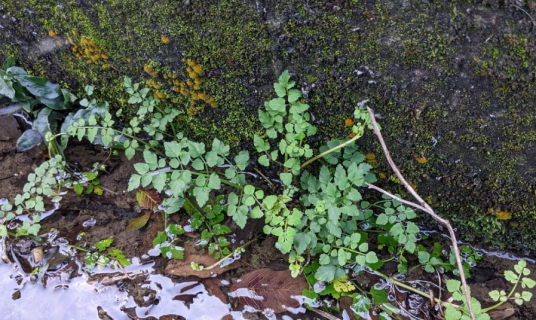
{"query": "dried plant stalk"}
[(422, 206)]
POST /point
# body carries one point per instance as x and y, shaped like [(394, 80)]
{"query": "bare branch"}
[(422, 206)]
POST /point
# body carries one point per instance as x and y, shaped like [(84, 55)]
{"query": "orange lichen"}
[(150, 70), (87, 50), (159, 95), (351, 135), (154, 84), (165, 39), (349, 122), (371, 159), (191, 87), (52, 33)]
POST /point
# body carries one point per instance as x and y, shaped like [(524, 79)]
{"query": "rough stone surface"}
[(9, 128)]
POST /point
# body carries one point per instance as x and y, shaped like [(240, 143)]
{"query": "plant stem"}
[(410, 288), (423, 206), (222, 181), (231, 254), (342, 145), (118, 132), (77, 248), (509, 295)]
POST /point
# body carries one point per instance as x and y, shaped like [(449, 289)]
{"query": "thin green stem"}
[(230, 254), (222, 181), (345, 248), (509, 295), (342, 145), (119, 132), (77, 248), (410, 288)]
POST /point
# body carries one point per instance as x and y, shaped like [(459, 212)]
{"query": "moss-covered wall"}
[(452, 81)]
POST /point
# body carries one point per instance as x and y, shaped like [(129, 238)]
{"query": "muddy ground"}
[(85, 219)]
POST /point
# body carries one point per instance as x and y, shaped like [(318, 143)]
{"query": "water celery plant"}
[(318, 214)]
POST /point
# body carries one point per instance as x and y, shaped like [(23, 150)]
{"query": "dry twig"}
[(533, 21), (422, 206)]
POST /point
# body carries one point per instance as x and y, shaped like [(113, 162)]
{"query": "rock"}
[(9, 129)]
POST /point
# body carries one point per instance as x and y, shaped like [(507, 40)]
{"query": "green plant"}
[(319, 213), (516, 278), (112, 257), (44, 100), (46, 180)]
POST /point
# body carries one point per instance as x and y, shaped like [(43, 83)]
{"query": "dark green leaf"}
[(8, 63), (28, 140), (7, 111), (329, 273), (39, 87), (6, 89), (160, 238)]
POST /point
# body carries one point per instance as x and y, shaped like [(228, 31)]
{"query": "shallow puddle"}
[(76, 299)]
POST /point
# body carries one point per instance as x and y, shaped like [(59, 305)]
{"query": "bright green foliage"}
[(45, 181), (516, 278), (100, 259)]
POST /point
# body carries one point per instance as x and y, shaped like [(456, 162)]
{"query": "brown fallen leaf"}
[(267, 289), (147, 199), (183, 268), (504, 311), (212, 285), (139, 222)]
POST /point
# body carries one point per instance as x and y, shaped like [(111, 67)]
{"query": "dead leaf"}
[(147, 199), (267, 289), (502, 312), (183, 268), (139, 222), (212, 285)]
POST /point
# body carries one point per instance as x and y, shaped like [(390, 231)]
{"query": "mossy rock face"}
[(453, 82)]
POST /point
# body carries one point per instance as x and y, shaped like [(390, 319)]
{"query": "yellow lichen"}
[(349, 122), (52, 33), (421, 160), (165, 39), (501, 214)]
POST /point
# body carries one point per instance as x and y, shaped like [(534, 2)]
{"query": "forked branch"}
[(422, 206)]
